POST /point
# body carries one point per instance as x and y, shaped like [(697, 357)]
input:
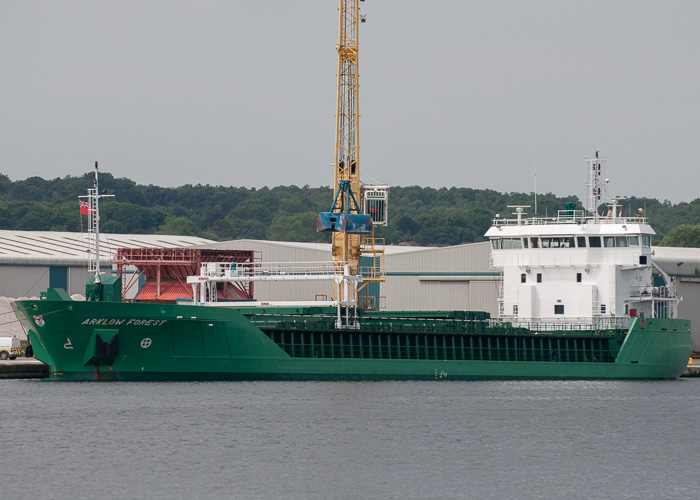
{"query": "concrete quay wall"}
[(23, 368)]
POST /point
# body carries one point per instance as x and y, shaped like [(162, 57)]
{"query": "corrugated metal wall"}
[(483, 296), (31, 280), (474, 257), (683, 265), (23, 281), (77, 277), (446, 278), (277, 251)]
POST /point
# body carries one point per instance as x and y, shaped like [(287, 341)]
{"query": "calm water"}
[(351, 440)]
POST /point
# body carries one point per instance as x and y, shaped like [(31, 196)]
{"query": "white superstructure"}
[(579, 267)]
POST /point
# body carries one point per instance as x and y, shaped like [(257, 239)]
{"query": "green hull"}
[(128, 341)]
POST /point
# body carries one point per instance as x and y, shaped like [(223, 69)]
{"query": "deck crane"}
[(352, 219)]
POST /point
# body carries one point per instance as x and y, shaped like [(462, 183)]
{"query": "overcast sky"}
[(453, 93)]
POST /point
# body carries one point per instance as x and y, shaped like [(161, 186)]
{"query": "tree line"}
[(421, 215)]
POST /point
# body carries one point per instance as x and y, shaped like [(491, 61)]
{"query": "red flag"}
[(85, 208)]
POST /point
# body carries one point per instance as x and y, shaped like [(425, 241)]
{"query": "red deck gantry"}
[(166, 271)]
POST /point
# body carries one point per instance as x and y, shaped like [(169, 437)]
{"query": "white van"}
[(9, 347)]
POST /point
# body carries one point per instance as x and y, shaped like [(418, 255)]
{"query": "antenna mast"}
[(594, 184), (93, 212)]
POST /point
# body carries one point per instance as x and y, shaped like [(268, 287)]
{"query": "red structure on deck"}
[(166, 271)]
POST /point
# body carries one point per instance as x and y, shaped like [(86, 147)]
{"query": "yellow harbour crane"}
[(356, 209)]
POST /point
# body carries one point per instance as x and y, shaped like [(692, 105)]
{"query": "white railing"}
[(653, 292), (583, 324), (205, 291), (569, 217), (253, 271)]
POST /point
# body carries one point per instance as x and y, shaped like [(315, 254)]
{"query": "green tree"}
[(423, 214), (686, 235), (298, 227), (224, 229), (179, 226), (251, 229)]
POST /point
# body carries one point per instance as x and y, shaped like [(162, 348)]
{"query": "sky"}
[(481, 94)]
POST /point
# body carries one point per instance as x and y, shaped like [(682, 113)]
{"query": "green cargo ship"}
[(83, 340), (581, 298)]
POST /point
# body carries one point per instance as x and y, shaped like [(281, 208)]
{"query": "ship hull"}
[(128, 341)]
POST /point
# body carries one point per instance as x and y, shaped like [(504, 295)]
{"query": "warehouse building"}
[(683, 266), (32, 261)]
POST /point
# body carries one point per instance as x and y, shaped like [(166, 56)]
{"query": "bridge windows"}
[(570, 242), (507, 243), (512, 243), (558, 242), (615, 241)]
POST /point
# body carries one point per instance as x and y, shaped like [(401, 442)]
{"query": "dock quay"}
[(692, 371), (23, 368)]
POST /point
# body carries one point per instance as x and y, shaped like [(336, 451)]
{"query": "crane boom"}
[(347, 148), (346, 247), (351, 221)]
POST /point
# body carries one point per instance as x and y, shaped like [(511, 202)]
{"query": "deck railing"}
[(583, 324), (654, 292), (569, 217)]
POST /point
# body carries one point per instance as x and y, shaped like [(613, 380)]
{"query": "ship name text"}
[(123, 321)]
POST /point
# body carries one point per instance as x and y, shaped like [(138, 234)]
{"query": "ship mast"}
[(594, 184), (93, 212)]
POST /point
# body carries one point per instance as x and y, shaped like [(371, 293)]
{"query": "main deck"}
[(448, 336)]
